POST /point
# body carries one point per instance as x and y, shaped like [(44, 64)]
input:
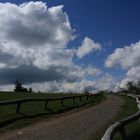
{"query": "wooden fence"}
[(120, 125), (19, 102)]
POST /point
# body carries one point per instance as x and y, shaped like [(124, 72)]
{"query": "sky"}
[(69, 45)]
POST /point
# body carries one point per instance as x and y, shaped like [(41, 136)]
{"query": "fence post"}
[(80, 98), (62, 102), (91, 97), (122, 132), (87, 97), (73, 100), (95, 96), (18, 106), (46, 104)]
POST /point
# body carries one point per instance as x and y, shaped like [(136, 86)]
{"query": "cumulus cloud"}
[(51, 81), (92, 71), (34, 38), (34, 24), (29, 74), (88, 46), (127, 58), (133, 74), (32, 33), (33, 49), (8, 87), (107, 82)]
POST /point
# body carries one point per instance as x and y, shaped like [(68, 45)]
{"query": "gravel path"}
[(75, 126)]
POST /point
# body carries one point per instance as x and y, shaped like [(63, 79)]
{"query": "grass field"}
[(133, 129), (34, 111), (18, 95), (128, 108)]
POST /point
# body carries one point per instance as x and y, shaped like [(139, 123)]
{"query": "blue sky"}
[(114, 21), (113, 24)]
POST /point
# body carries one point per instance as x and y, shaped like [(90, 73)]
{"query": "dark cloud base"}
[(29, 74)]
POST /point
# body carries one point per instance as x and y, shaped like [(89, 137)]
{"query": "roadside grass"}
[(128, 108), (32, 112), (21, 95), (132, 130)]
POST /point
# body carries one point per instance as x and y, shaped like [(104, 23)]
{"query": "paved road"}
[(75, 126)]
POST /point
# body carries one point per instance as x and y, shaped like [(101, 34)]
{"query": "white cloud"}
[(129, 59), (107, 82), (87, 46), (134, 72), (126, 57), (35, 36), (33, 24), (33, 48), (92, 71), (3, 65), (32, 33), (6, 87), (133, 75), (54, 86)]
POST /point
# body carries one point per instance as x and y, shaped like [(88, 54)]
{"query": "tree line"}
[(131, 87)]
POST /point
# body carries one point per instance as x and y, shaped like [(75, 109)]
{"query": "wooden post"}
[(80, 98), (73, 100), (122, 133), (62, 102), (91, 97), (95, 96), (87, 97), (18, 106), (46, 104)]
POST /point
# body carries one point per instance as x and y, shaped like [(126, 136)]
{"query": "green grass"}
[(128, 108), (8, 111), (18, 95), (35, 111), (132, 130)]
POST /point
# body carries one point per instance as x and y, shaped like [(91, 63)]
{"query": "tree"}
[(131, 88), (19, 88), (30, 90), (86, 91)]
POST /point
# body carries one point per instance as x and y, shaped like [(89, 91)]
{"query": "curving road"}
[(70, 126)]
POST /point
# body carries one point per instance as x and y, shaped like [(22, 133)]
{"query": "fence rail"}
[(120, 125), (19, 102)]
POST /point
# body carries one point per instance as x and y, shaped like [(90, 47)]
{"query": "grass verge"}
[(128, 108), (132, 130)]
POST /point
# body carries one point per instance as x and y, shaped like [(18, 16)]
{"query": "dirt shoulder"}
[(75, 126)]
